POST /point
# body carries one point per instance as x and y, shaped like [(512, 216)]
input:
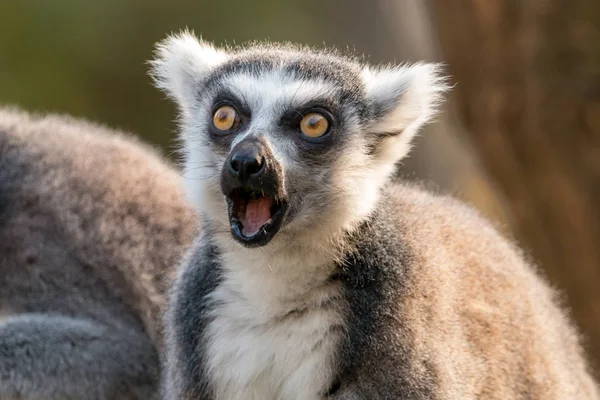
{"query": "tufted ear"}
[(402, 99), (181, 62)]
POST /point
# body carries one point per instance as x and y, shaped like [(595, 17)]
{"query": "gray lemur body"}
[(314, 277), (91, 223)]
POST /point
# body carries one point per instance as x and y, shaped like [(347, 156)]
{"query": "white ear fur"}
[(403, 98), (181, 62)]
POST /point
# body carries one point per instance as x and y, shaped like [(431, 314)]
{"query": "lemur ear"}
[(402, 99), (181, 62)]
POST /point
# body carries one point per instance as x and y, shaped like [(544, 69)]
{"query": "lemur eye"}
[(225, 118), (314, 125)]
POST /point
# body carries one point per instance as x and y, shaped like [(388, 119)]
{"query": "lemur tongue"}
[(258, 213)]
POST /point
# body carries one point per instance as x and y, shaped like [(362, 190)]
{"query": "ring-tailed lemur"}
[(91, 222), (316, 278)]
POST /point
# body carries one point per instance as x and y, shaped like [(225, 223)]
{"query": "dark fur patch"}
[(222, 141), (190, 319), (342, 73), (372, 363), (9, 173), (253, 65)]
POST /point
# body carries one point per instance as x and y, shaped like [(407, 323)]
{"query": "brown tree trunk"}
[(528, 75)]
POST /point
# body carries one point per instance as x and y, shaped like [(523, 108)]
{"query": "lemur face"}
[(283, 141), (276, 129)]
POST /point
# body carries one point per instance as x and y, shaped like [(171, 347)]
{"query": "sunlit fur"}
[(366, 284)]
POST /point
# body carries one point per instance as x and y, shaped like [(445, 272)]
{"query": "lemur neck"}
[(276, 278), (277, 259)]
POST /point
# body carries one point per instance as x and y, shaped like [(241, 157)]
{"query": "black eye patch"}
[(291, 117), (226, 98)]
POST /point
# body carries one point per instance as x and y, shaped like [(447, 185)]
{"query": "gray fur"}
[(91, 222), (370, 290), (183, 373)]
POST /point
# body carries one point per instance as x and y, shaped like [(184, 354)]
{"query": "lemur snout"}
[(251, 165), (246, 163), (252, 182)]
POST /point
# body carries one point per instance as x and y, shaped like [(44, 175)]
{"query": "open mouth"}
[(255, 217)]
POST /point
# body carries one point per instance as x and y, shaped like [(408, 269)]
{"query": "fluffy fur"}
[(91, 223), (370, 290)]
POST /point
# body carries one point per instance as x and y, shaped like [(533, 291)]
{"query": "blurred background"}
[(519, 137)]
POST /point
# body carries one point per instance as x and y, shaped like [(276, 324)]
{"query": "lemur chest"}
[(271, 347)]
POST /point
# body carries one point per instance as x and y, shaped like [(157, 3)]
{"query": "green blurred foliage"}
[(88, 58)]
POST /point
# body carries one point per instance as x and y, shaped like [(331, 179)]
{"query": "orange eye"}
[(225, 118), (314, 125)]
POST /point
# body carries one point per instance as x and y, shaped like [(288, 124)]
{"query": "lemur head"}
[(281, 140)]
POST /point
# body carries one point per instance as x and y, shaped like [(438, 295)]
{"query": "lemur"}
[(92, 224), (316, 277)]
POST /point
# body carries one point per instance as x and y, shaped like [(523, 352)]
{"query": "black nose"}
[(245, 164)]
